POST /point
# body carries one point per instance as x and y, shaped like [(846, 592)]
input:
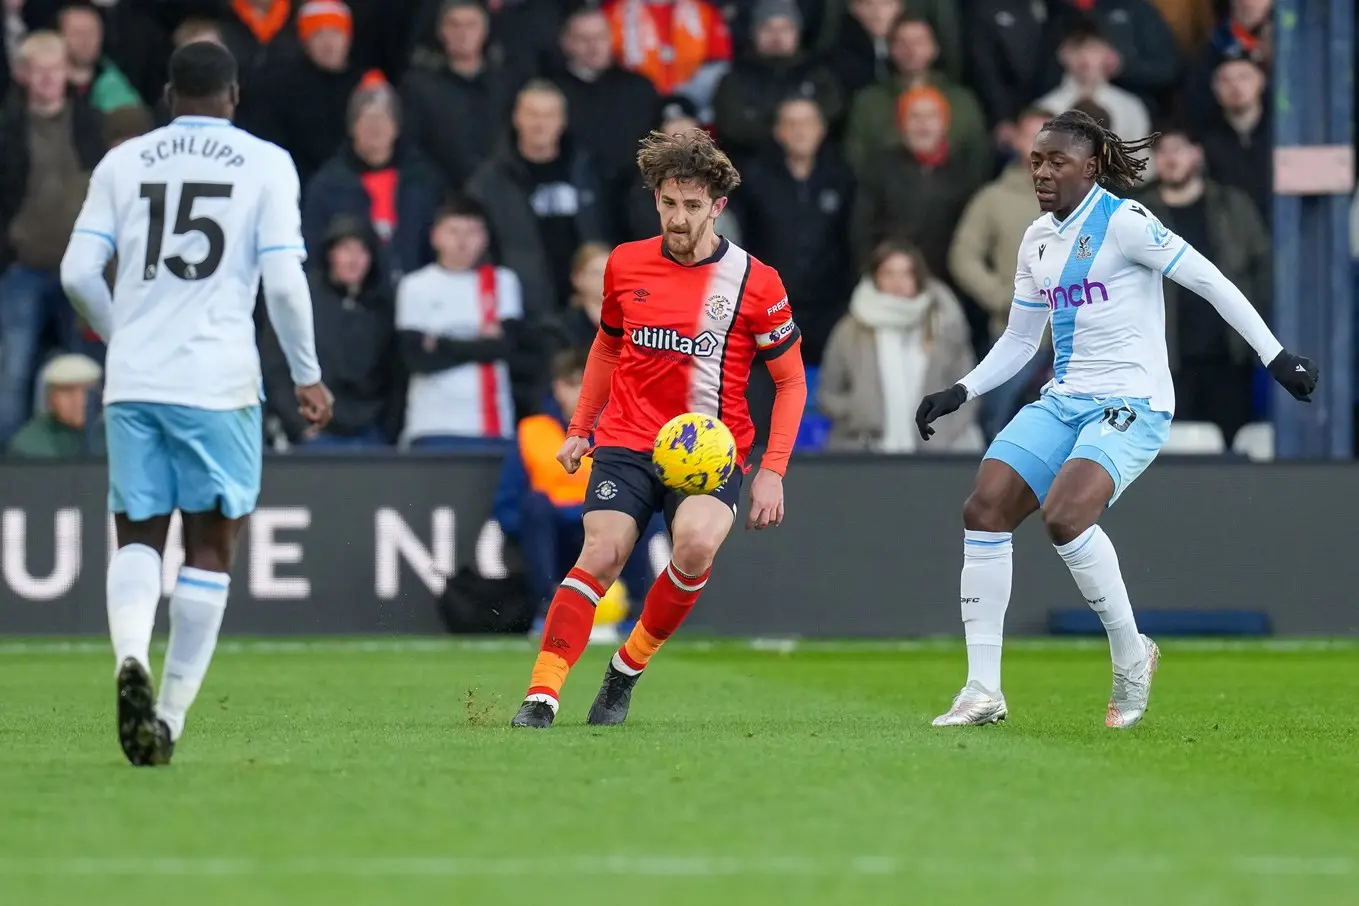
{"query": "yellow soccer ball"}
[(694, 454)]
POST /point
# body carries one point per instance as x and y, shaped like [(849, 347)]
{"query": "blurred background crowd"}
[(467, 165)]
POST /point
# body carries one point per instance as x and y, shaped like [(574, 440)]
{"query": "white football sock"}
[(133, 589), (196, 610), (987, 574), (1094, 565)]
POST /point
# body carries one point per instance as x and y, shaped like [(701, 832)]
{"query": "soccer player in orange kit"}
[(685, 316)]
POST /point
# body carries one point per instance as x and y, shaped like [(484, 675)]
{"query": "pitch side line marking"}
[(659, 866)]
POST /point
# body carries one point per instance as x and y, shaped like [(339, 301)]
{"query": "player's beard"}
[(682, 244)]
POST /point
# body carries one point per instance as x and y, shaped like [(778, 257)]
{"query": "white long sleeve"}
[(289, 301), (1197, 274), (1011, 352), (82, 277)]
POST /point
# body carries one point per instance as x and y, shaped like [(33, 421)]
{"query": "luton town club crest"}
[(717, 307)]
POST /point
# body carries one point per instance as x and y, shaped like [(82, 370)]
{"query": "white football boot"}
[(1128, 702), (972, 707)]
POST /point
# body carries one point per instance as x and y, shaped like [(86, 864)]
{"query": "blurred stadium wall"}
[(871, 547)]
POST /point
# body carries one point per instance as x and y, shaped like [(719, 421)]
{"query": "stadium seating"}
[(1195, 439), (1255, 442)]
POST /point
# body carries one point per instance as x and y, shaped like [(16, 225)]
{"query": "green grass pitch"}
[(385, 773)]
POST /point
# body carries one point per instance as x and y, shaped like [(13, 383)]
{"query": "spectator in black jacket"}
[(307, 119), (377, 176), (1238, 143), (609, 109), (49, 145), (456, 105), (1002, 66), (859, 57), (258, 32), (748, 95), (794, 207), (543, 197), (356, 344)]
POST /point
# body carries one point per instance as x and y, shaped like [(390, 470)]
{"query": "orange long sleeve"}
[(790, 396), (594, 389)]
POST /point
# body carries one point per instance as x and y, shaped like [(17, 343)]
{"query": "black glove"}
[(1296, 374), (936, 405)]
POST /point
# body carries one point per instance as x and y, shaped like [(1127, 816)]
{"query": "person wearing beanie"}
[(915, 191), (308, 119), (774, 68), (378, 176), (59, 432)]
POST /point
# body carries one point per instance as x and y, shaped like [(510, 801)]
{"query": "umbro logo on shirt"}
[(1041, 249), (640, 294)]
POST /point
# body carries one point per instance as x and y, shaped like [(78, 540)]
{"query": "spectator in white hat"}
[(59, 432)]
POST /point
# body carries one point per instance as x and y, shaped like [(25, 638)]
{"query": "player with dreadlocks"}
[(1092, 266)]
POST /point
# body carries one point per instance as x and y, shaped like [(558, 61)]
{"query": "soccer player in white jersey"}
[(196, 212), (1092, 265)]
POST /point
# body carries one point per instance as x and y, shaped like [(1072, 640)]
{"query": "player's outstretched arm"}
[(1145, 240), (1011, 352), (790, 398), (1296, 374)]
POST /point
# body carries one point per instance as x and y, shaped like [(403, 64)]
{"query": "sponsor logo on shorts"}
[(667, 339), (607, 490)]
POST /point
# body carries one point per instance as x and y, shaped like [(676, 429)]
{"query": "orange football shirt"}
[(691, 333)]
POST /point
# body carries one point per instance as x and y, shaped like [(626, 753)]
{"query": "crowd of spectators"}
[(468, 164)]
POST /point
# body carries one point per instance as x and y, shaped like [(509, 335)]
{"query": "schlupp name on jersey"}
[(667, 339), (193, 146)]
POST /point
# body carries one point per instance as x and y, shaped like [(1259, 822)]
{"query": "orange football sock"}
[(668, 603), (565, 634)]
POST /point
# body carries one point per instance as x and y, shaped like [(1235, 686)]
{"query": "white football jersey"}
[(189, 209), (1098, 273)]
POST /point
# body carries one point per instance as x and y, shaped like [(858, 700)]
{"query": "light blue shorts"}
[(164, 457), (1122, 435)]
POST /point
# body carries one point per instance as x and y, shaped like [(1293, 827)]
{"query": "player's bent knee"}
[(694, 551), (603, 556), (981, 513), (1065, 520)]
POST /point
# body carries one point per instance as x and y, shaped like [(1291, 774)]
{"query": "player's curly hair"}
[(1116, 166), (687, 156)]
